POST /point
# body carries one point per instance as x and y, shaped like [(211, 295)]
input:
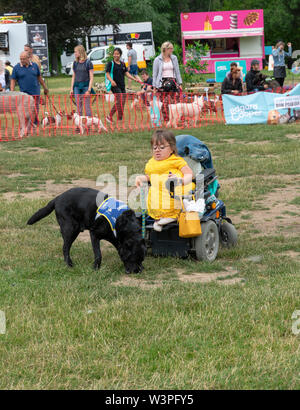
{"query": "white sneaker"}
[(165, 221), (157, 227)]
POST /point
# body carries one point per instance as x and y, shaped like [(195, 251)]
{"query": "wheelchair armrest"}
[(208, 172)]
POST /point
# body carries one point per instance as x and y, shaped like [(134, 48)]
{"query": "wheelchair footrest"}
[(168, 243)]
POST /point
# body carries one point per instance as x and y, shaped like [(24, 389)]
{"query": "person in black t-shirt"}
[(118, 83)]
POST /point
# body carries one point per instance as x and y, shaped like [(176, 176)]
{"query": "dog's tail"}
[(41, 213)]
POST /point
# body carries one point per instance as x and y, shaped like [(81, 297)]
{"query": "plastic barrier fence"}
[(22, 115)]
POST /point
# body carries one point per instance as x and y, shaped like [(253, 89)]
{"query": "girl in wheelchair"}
[(165, 166)]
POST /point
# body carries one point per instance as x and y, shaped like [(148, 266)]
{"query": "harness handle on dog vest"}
[(143, 206)]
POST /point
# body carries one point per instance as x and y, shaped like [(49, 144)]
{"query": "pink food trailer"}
[(230, 35)]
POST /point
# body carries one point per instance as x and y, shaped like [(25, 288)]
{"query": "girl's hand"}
[(113, 83), (139, 180), (87, 92)]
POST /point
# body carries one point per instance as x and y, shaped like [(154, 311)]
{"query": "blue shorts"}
[(133, 69)]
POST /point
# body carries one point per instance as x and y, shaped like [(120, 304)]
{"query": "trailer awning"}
[(194, 35)]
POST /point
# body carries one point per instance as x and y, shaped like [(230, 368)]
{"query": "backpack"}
[(107, 82)]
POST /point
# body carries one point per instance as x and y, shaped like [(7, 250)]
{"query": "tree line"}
[(71, 19)]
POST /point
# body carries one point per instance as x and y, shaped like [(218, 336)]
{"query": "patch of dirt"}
[(15, 175), (293, 136), (256, 142), (35, 149), (275, 220), (265, 156), (51, 190), (138, 283), (237, 141), (291, 254), (230, 140), (224, 277)]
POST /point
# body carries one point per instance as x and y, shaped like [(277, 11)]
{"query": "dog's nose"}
[(139, 269)]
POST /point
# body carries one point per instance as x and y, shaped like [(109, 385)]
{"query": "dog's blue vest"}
[(111, 209)]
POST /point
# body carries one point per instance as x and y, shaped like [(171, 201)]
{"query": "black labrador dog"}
[(76, 210)]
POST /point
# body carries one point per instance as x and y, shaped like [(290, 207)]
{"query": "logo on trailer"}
[(133, 36)]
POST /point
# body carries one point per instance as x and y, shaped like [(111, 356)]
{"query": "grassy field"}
[(181, 324), (61, 84)]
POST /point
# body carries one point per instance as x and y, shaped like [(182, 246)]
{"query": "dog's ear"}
[(127, 223), (100, 226)]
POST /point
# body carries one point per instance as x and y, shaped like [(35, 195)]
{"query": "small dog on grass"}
[(47, 120), (78, 209), (84, 121)]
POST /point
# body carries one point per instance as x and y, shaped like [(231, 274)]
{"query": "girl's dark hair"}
[(159, 136), (119, 50)]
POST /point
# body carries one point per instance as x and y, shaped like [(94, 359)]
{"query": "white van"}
[(98, 54)]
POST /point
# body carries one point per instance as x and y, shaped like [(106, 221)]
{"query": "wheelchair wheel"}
[(207, 244), (228, 235)]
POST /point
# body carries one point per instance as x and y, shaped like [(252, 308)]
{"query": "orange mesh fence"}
[(22, 115)]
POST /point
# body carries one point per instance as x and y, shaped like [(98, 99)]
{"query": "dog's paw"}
[(97, 264)]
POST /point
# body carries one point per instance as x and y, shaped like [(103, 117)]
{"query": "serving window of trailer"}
[(219, 46)]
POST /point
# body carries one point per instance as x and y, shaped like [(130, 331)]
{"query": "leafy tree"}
[(68, 19), (194, 65)]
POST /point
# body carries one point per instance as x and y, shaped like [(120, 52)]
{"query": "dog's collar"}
[(111, 209)]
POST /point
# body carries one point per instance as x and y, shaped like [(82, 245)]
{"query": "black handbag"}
[(169, 85)]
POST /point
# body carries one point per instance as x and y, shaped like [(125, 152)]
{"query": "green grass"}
[(76, 329), (296, 201), (61, 84)]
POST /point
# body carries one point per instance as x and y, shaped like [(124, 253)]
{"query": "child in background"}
[(164, 164)]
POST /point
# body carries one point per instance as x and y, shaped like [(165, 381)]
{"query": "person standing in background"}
[(279, 64), (165, 73), (132, 63), (32, 57), (2, 77), (118, 70), (29, 79), (82, 80), (9, 67)]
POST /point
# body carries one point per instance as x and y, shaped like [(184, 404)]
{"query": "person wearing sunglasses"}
[(164, 165)]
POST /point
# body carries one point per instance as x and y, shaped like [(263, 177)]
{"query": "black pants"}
[(280, 74), (280, 81), (120, 99)]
